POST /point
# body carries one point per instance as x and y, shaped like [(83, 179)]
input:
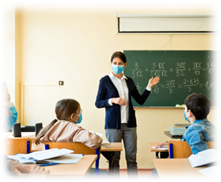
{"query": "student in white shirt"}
[(114, 94)]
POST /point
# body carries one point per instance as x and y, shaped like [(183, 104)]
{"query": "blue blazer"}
[(106, 91)]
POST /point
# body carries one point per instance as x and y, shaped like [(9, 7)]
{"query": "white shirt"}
[(122, 89)]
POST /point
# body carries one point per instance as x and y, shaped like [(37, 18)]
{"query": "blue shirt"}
[(198, 133)]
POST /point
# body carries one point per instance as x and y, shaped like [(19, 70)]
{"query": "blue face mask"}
[(184, 114), (11, 120), (80, 119), (117, 69)]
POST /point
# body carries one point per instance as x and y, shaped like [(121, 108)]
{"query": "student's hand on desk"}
[(17, 167), (153, 81), (161, 145), (38, 170), (118, 101)]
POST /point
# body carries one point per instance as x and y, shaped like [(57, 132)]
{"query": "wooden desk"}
[(111, 147), (163, 153), (31, 136), (167, 133), (153, 144), (23, 135), (177, 169), (80, 169), (108, 152)]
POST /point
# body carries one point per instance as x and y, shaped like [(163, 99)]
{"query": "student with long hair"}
[(65, 129)]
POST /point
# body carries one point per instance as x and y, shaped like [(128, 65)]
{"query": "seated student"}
[(10, 116), (65, 129), (197, 107)]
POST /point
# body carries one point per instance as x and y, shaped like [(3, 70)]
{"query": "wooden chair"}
[(78, 148), (17, 145), (181, 149)]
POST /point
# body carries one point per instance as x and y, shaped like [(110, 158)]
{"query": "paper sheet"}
[(47, 154), (211, 172), (161, 148), (64, 159), (204, 157), (105, 143), (21, 159), (99, 134), (67, 159)]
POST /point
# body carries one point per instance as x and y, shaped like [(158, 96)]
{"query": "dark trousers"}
[(129, 136)]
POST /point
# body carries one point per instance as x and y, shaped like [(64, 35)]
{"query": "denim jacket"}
[(198, 133)]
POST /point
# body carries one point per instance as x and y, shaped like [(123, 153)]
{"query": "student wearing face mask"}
[(10, 116), (9, 109), (65, 127), (197, 107), (114, 94)]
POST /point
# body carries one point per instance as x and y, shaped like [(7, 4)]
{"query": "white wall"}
[(75, 46)]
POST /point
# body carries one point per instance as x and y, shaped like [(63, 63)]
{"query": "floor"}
[(142, 173)]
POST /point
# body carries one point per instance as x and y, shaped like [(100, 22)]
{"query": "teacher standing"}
[(114, 94)]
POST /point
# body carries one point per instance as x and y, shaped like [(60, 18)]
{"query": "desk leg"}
[(110, 157)]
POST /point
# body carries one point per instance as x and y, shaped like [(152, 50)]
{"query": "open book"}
[(67, 159), (205, 157), (40, 155)]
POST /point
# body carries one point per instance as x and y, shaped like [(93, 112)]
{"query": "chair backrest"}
[(17, 145), (78, 148), (181, 149)]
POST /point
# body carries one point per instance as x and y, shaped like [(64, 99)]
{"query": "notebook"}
[(40, 155)]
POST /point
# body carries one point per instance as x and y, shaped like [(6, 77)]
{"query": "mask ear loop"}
[(77, 115), (73, 119)]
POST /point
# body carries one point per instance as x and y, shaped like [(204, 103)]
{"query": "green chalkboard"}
[(181, 73)]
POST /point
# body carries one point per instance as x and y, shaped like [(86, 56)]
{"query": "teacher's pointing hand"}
[(153, 81)]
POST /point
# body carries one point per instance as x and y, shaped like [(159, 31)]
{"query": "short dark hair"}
[(198, 104), (120, 55), (3, 84)]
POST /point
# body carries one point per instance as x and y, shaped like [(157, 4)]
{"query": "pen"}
[(48, 164)]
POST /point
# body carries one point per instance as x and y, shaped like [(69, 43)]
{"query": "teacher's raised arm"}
[(114, 94)]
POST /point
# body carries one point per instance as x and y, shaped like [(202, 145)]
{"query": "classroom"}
[(47, 44)]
